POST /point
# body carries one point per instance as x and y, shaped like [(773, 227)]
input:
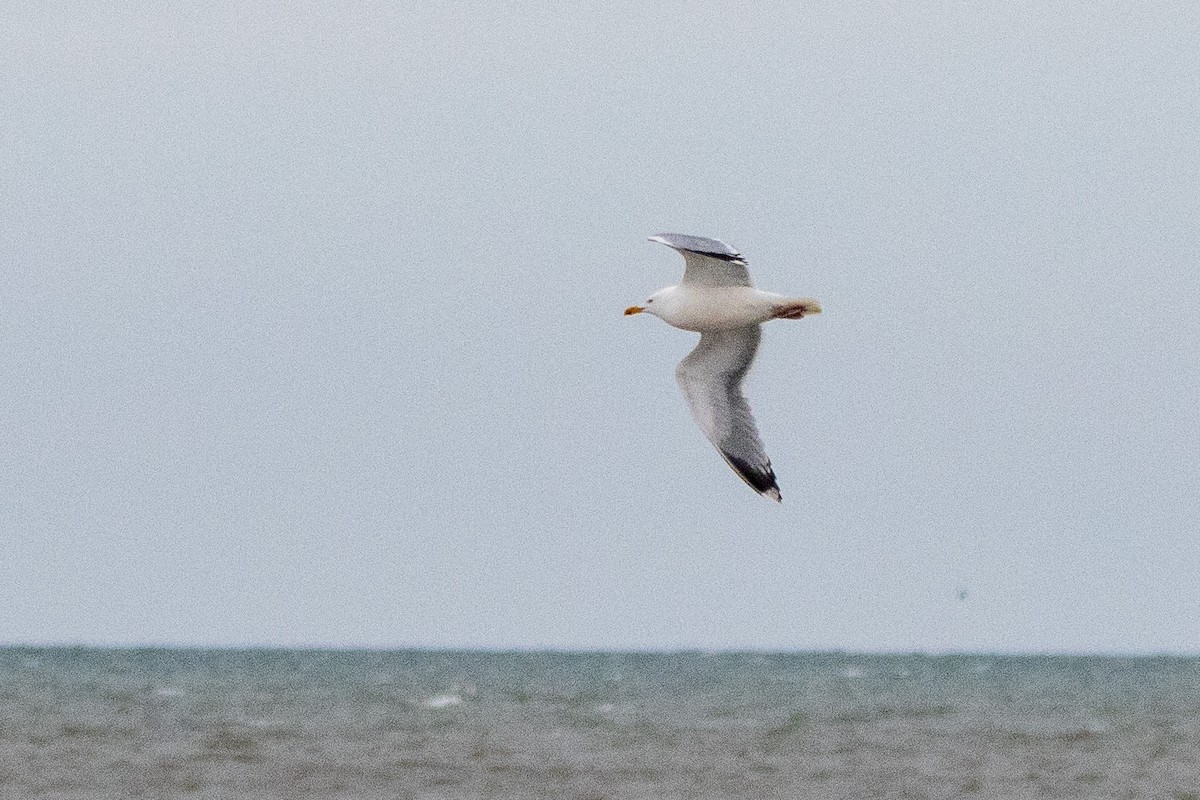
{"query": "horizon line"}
[(599, 650)]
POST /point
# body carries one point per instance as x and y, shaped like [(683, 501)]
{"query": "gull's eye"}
[(651, 300)]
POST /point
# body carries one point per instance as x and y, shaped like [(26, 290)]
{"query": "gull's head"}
[(648, 306)]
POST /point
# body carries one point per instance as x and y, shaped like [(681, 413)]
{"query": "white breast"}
[(710, 308)]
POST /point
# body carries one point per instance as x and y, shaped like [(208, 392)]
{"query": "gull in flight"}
[(717, 299)]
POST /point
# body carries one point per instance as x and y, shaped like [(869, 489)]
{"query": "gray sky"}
[(312, 336)]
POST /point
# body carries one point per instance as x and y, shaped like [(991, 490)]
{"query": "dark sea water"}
[(94, 723)]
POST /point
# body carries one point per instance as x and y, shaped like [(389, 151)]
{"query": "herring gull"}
[(717, 299)]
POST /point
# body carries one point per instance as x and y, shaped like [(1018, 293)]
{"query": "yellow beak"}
[(634, 310)]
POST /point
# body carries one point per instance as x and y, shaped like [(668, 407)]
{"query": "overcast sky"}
[(311, 324)]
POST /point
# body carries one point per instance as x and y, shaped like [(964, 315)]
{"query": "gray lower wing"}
[(711, 380)]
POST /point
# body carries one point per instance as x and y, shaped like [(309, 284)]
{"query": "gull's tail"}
[(796, 308)]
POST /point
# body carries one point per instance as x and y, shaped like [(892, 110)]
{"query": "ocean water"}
[(408, 725)]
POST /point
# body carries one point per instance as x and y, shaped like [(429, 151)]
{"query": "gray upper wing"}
[(711, 380), (707, 262)]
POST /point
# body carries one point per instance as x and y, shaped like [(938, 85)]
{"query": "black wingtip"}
[(760, 479), (701, 245), (735, 258)]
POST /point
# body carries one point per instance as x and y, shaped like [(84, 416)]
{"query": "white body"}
[(708, 308)]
